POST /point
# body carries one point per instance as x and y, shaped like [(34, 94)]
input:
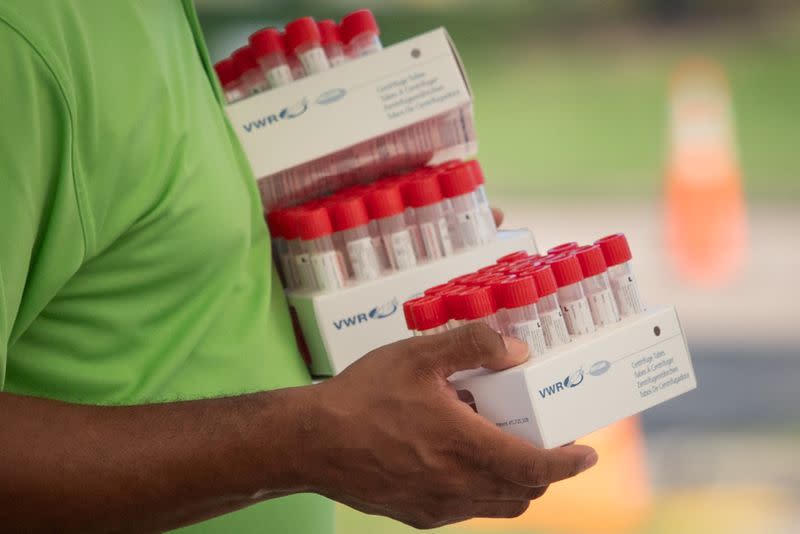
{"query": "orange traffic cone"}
[(705, 208), (612, 497)]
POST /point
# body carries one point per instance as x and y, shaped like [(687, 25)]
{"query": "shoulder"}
[(37, 105)]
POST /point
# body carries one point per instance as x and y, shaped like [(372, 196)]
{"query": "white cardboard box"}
[(339, 327), (588, 384), (407, 105)]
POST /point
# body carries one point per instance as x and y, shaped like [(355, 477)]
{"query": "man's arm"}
[(388, 436), (149, 468)]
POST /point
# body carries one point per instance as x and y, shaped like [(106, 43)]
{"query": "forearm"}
[(147, 468)]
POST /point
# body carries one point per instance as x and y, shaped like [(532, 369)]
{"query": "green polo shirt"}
[(134, 260)]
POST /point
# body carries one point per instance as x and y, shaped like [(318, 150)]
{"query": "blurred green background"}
[(571, 100), (570, 97)]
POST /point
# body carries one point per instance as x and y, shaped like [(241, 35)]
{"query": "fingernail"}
[(589, 461), (515, 347)]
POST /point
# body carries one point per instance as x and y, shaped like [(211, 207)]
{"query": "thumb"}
[(472, 346)]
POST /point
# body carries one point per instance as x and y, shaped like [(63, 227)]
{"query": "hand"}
[(392, 438)]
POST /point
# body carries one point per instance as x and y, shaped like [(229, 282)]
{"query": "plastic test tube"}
[(338, 241), (408, 214), (294, 65), (465, 219), (228, 76), (374, 231), (351, 221), (618, 255), (596, 285), (424, 195), (377, 240), (269, 50), (518, 297), (385, 205), (304, 39), (553, 324), (428, 315), (568, 274), (491, 281), (361, 33), (315, 233), (483, 199), (479, 307), (276, 221), (301, 266), (332, 42), (250, 75)]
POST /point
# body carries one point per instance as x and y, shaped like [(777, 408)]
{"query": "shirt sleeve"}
[(41, 236)]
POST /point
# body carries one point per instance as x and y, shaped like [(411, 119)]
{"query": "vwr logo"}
[(598, 368), (378, 312), (286, 113), (572, 381), (331, 96)]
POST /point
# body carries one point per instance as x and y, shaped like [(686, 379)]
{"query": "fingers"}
[(495, 488), (518, 461), (457, 512), (500, 509), (472, 346), (499, 216)]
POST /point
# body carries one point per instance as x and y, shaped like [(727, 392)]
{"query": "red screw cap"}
[(354, 191), (329, 32), (449, 164), (466, 279), (513, 257), (421, 191), (302, 31), (408, 315), (516, 292), (429, 312), (226, 71), (244, 60), (486, 279), (545, 280), (440, 289), (478, 303), (493, 281), (454, 300), (521, 265), (477, 171), (348, 212), (615, 249), (384, 201), (291, 228), (591, 259), (456, 181), (500, 268), (358, 22), (564, 247), (314, 223), (267, 41), (566, 269), (276, 221)]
